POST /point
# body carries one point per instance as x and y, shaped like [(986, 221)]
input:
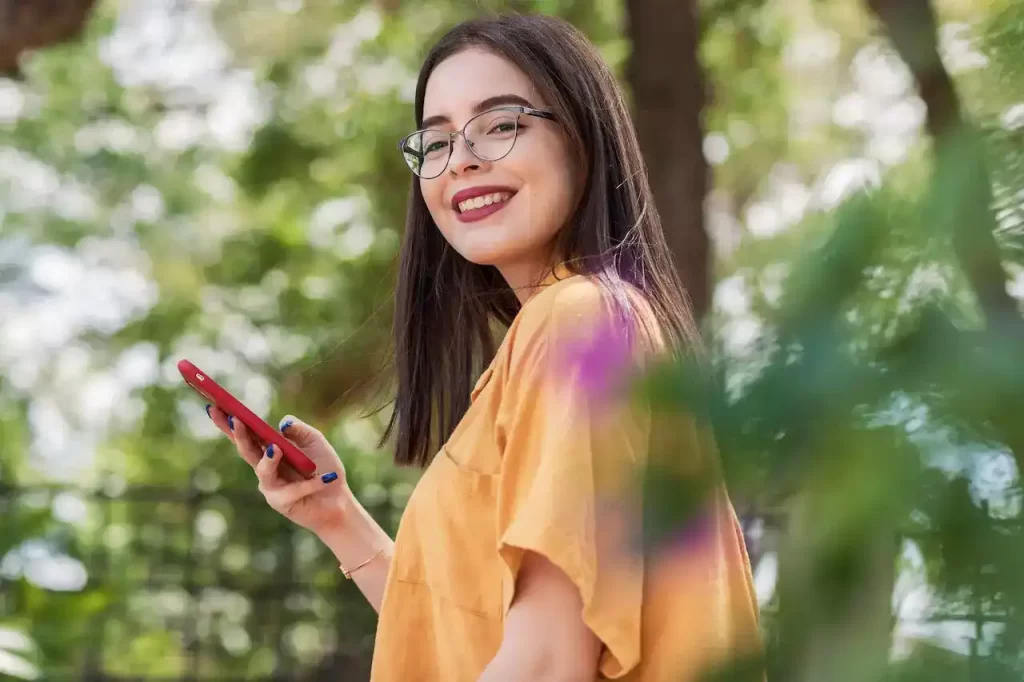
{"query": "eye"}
[(435, 146), (503, 127)]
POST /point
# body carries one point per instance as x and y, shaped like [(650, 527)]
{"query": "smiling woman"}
[(514, 142), (515, 558)]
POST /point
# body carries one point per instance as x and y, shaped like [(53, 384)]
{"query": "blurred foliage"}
[(218, 181)]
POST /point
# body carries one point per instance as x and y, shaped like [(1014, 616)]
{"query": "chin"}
[(485, 256), (478, 245), (498, 244)]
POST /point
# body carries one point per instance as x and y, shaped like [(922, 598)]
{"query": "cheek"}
[(555, 193), (567, 190), (433, 197)]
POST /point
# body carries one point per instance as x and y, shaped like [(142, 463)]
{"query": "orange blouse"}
[(543, 462)]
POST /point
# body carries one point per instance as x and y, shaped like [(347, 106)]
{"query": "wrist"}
[(344, 508), (352, 534)]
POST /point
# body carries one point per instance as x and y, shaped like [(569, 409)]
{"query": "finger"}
[(249, 450), (287, 496), (267, 469), (299, 432), (219, 419)]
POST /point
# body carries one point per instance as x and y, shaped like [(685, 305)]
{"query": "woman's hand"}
[(317, 503), (324, 504)]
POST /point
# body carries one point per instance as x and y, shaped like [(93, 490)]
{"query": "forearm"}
[(355, 538)]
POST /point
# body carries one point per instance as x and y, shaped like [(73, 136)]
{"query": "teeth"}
[(486, 200)]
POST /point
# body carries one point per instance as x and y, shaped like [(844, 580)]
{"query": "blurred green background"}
[(843, 186)]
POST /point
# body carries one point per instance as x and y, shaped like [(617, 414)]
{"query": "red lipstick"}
[(472, 214)]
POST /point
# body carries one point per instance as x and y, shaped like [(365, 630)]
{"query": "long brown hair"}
[(446, 306)]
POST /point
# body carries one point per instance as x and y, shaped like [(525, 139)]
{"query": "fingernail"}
[(327, 478), (270, 452), (286, 424), (208, 411), (231, 422)]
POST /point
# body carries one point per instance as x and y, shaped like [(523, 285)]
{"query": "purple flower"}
[(693, 534), (600, 363)]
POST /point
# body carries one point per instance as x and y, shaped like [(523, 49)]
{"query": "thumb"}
[(299, 432)]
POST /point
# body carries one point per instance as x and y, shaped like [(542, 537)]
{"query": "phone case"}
[(201, 382)]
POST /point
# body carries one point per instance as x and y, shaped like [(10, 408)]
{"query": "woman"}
[(513, 561)]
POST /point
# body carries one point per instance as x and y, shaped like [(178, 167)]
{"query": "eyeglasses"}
[(490, 136)]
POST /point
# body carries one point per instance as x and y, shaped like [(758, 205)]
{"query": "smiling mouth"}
[(483, 201)]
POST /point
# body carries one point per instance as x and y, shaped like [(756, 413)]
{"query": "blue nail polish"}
[(286, 425), (270, 452), (327, 478), (231, 422), (208, 411)]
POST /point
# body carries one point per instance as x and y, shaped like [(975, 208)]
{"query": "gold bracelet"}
[(348, 573)]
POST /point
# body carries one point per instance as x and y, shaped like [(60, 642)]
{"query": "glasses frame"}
[(517, 109)]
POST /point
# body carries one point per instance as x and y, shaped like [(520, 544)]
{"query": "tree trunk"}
[(667, 87), (31, 24)]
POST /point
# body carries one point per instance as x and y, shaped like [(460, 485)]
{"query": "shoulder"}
[(580, 317), (582, 305), (567, 309)]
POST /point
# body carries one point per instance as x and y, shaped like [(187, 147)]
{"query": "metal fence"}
[(189, 584), (202, 584)]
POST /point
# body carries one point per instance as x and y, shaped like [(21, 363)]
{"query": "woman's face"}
[(528, 194)]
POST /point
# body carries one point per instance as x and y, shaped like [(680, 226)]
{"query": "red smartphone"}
[(201, 382)]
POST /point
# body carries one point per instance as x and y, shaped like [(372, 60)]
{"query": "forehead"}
[(460, 81)]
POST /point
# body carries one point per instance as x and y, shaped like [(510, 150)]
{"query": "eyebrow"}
[(481, 106)]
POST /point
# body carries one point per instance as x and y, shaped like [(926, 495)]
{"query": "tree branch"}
[(962, 188), (961, 198)]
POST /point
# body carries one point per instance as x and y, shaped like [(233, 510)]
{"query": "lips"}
[(476, 203), (482, 191)]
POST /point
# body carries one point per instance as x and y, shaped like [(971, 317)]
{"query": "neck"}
[(527, 278)]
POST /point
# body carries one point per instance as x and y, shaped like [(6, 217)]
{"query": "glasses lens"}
[(427, 152), (492, 134)]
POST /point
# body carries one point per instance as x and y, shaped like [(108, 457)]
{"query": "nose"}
[(462, 158)]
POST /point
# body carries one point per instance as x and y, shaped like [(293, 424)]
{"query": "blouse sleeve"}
[(571, 452)]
